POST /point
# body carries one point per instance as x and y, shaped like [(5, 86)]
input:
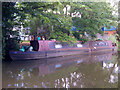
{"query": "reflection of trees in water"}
[(90, 76), (84, 75), (83, 78), (69, 81), (112, 68), (94, 75)]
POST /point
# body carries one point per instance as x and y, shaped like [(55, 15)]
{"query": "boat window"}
[(58, 46), (107, 44), (102, 44), (79, 45), (97, 44)]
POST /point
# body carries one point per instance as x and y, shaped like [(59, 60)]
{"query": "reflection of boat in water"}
[(49, 70), (47, 49), (50, 65), (53, 66)]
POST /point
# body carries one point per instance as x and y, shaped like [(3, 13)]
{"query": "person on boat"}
[(28, 48), (43, 38), (24, 48), (31, 48), (38, 38)]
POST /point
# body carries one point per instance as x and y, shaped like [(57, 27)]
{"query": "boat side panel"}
[(27, 55), (56, 53)]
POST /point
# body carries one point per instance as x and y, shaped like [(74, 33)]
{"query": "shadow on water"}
[(78, 71)]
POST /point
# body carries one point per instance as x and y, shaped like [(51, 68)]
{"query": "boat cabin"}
[(46, 45)]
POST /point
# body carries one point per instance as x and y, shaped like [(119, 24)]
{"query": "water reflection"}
[(88, 71)]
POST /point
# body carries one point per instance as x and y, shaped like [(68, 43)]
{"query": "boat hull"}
[(92, 47), (35, 55), (18, 55)]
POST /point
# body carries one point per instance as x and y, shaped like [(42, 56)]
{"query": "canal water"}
[(78, 71)]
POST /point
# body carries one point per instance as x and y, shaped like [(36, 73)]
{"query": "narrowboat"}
[(49, 65), (48, 49)]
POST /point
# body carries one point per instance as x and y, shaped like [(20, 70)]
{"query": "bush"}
[(8, 45)]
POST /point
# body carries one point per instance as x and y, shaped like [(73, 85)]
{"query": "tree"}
[(48, 19), (49, 16), (94, 16), (8, 17)]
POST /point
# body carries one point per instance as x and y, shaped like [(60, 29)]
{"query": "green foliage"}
[(94, 16), (8, 17), (112, 38), (46, 23), (49, 18)]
